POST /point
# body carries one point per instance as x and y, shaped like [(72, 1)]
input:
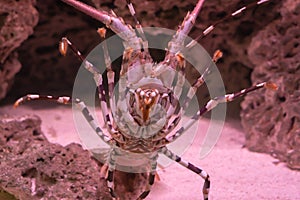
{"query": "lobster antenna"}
[(211, 27), (132, 11), (116, 24)]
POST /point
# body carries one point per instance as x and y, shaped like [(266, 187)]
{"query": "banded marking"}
[(138, 25), (151, 177), (191, 167), (67, 100), (29, 97), (96, 73), (211, 27), (214, 102), (192, 91)]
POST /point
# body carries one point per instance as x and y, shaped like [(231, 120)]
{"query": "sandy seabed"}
[(235, 172)]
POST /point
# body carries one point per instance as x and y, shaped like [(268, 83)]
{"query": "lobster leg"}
[(111, 82), (68, 100), (123, 114), (97, 76), (191, 167), (130, 57), (192, 91), (174, 111), (151, 177), (110, 173), (214, 102), (111, 169), (190, 94), (63, 48)]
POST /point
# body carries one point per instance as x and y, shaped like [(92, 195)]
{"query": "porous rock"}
[(33, 168), (272, 119)]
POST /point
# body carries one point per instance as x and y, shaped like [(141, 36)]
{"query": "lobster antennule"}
[(184, 29), (111, 21), (88, 10), (177, 42), (189, 20), (197, 8)]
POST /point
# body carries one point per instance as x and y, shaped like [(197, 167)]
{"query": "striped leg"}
[(168, 76), (111, 169), (192, 91), (214, 102), (110, 72), (151, 177), (111, 84), (124, 118), (63, 47), (233, 14), (191, 167), (110, 174), (67, 100)]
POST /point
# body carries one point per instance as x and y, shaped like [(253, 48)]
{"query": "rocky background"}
[(33, 168), (17, 20), (58, 172), (261, 45), (272, 120)]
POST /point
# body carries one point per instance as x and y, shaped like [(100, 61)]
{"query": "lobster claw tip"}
[(271, 86)]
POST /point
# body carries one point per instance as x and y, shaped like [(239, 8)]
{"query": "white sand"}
[(235, 172)]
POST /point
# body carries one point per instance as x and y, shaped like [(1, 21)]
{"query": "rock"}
[(8, 70), (272, 119), (17, 19), (33, 168), (47, 71)]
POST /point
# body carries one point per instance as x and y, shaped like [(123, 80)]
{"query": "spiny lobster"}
[(144, 118)]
